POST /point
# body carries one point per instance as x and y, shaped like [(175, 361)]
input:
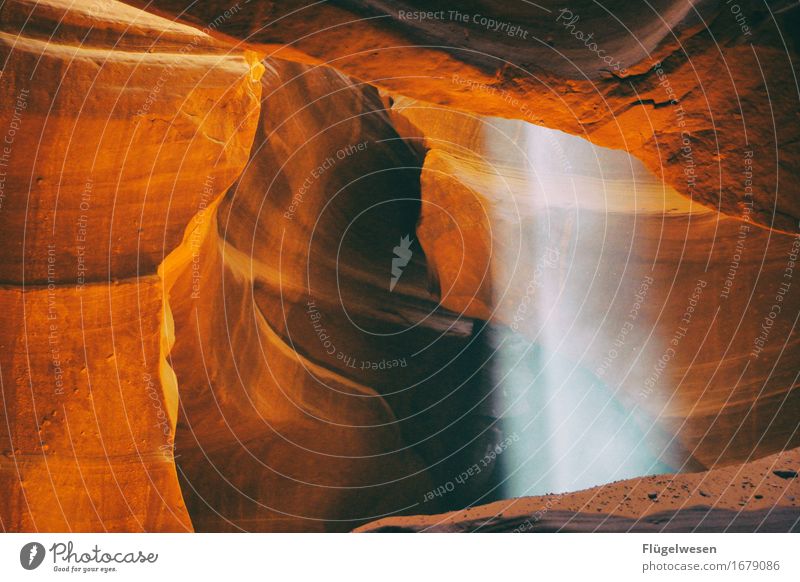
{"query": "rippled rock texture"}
[(116, 125), (685, 87), (269, 267), (328, 395)]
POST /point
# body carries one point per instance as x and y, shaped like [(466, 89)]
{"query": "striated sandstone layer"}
[(335, 298), (687, 88), (119, 124)]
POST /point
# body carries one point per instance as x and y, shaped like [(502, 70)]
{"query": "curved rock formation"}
[(121, 124), (274, 269), (328, 394), (686, 313), (687, 88)]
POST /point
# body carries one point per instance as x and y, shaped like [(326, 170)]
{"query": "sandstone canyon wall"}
[(269, 268), (672, 304), (121, 122), (324, 399), (327, 397), (687, 87)]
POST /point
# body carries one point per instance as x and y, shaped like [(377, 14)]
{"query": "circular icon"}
[(31, 555)]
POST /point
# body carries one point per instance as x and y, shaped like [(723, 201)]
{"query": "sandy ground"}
[(758, 496)]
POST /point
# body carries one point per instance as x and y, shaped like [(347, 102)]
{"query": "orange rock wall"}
[(117, 125)]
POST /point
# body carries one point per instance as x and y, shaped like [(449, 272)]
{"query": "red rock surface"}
[(310, 410), (119, 119), (732, 81), (299, 281)]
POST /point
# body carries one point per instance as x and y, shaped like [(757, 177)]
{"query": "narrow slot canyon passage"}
[(272, 270)]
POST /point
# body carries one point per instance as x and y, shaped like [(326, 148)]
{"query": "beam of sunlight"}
[(580, 209)]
